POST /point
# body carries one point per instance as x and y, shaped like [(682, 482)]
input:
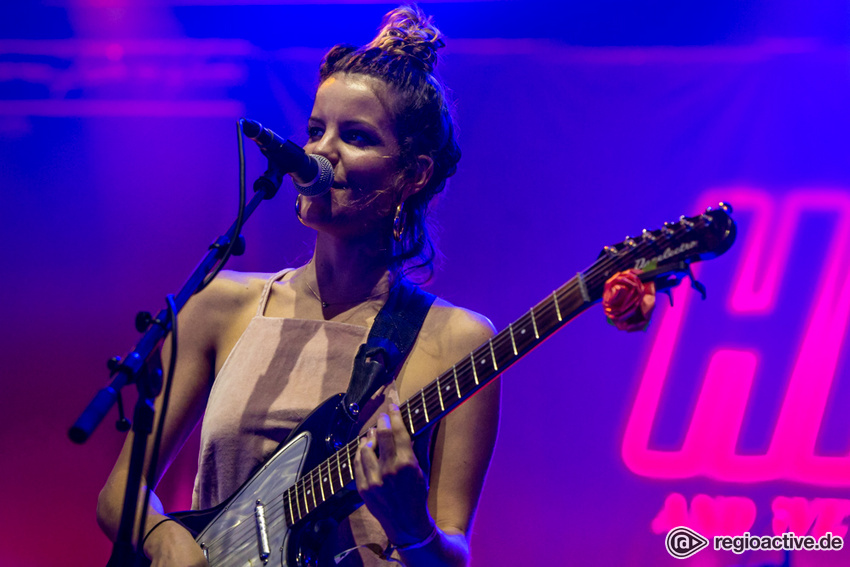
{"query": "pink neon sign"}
[(733, 515), (709, 446)]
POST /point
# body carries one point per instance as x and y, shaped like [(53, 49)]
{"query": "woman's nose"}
[(328, 147)]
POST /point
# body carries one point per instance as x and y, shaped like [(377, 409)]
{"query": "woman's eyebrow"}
[(359, 123)]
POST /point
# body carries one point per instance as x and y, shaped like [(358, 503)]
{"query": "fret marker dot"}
[(325, 479), (522, 332), (343, 465), (483, 362), (448, 388), (308, 492), (417, 410)]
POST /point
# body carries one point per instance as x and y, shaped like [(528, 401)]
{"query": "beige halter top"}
[(276, 374)]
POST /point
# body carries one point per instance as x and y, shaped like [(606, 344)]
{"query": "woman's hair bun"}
[(408, 32), (403, 56)]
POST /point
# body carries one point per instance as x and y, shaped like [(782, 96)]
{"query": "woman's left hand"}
[(391, 482)]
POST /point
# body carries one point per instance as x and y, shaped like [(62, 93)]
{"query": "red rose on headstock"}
[(628, 302)]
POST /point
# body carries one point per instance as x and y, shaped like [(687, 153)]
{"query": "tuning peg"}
[(683, 220), (648, 235), (610, 251), (630, 242), (705, 218), (668, 229), (726, 207)]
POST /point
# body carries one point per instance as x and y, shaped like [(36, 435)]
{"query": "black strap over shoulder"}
[(392, 336)]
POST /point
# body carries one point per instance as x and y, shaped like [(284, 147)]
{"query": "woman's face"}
[(351, 126)]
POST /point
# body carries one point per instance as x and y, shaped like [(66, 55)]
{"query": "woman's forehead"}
[(354, 96)]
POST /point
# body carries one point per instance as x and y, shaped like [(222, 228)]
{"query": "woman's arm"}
[(200, 326), (392, 484)]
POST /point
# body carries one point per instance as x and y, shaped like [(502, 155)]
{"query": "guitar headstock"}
[(671, 249)]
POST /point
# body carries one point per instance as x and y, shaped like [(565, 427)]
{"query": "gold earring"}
[(398, 222)]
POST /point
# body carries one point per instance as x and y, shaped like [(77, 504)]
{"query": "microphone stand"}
[(142, 367)]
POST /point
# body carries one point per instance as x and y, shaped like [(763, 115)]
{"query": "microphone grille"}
[(323, 181)]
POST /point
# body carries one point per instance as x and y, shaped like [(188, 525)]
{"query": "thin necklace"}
[(326, 304)]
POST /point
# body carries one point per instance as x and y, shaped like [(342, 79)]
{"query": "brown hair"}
[(404, 55)]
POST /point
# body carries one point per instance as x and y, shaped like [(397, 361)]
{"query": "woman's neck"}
[(346, 270)]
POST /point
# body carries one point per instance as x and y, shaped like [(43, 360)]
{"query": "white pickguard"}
[(230, 540)]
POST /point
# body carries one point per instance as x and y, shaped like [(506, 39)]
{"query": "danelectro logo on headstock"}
[(666, 255)]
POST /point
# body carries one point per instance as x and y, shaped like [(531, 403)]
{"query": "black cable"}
[(241, 214), (166, 396)]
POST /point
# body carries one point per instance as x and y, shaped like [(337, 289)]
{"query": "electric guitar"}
[(280, 514)]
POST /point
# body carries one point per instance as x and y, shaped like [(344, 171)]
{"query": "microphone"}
[(312, 175)]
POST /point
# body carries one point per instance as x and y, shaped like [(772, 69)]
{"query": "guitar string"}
[(546, 309)]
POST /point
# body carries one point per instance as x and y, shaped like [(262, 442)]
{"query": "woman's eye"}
[(314, 132), (359, 138)]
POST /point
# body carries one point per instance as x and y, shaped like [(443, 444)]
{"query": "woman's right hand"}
[(171, 545)]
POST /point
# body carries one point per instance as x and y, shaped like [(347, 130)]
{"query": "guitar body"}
[(228, 533)]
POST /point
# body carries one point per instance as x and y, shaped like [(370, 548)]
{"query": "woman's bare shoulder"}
[(455, 331), (231, 290), (465, 319), (229, 297)]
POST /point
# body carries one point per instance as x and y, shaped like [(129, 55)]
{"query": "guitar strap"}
[(377, 363), (390, 340)]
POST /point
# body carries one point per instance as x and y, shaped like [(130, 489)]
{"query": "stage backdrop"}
[(118, 166)]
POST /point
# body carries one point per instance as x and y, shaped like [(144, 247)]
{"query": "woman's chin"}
[(326, 214), (315, 209)]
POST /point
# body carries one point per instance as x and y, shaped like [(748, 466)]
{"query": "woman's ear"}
[(421, 176)]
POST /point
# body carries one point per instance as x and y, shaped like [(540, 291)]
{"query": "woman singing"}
[(258, 352)]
